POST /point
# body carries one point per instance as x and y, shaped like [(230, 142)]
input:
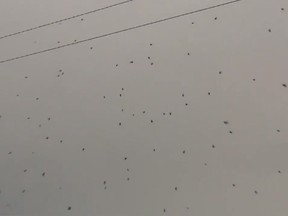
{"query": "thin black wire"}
[(65, 19), (119, 31)]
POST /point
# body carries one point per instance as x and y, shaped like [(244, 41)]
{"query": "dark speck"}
[(164, 210), (170, 113), (226, 122), (284, 85), (119, 123), (213, 146), (220, 72), (176, 188), (47, 138), (125, 158), (278, 130), (188, 53), (128, 179), (131, 62), (69, 208), (25, 170), (282, 9), (183, 151), (279, 171), (151, 44), (215, 18), (154, 149), (256, 192), (233, 185), (83, 149), (23, 191), (104, 182), (43, 174), (10, 153), (230, 132), (269, 30), (209, 93), (151, 121)]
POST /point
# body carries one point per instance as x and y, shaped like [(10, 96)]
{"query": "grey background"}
[(216, 172)]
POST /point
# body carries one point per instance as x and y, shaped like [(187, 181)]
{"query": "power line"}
[(119, 31), (65, 19)]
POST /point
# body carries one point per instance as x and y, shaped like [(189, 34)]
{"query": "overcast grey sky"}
[(182, 117)]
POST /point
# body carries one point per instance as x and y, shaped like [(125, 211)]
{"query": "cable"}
[(65, 19), (119, 31)]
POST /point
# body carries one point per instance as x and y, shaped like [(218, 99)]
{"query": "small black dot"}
[(91, 48), (61, 141), (186, 104), (131, 62), (188, 53), (284, 85), (205, 164), (83, 149), (17, 95), (37, 98), (220, 72), (25, 170), (151, 44), (183, 151), (278, 130), (215, 18), (122, 89), (122, 110), (149, 57), (151, 121), (182, 95), (128, 169), (230, 132), (133, 114), (170, 113), (58, 42), (28, 118), (226, 122), (10, 153), (192, 23), (269, 30), (49, 119), (116, 65), (209, 93), (254, 79), (125, 158), (23, 191), (69, 208), (282, 9), (82, 19), (26, 77), (213, 146), (104, 97), (233, 185), (43, 174), (256, 192), (164, 113), (47, 138), (119, 123), (120, 95), (154, 149), (279, 171), (151, 63), (104, 182), (176, 188), (128, 179), (164, 210)]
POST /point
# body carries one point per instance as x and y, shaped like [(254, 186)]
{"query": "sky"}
[(143, 107)]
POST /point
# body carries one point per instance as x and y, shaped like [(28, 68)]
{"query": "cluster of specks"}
[(60, 73)]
